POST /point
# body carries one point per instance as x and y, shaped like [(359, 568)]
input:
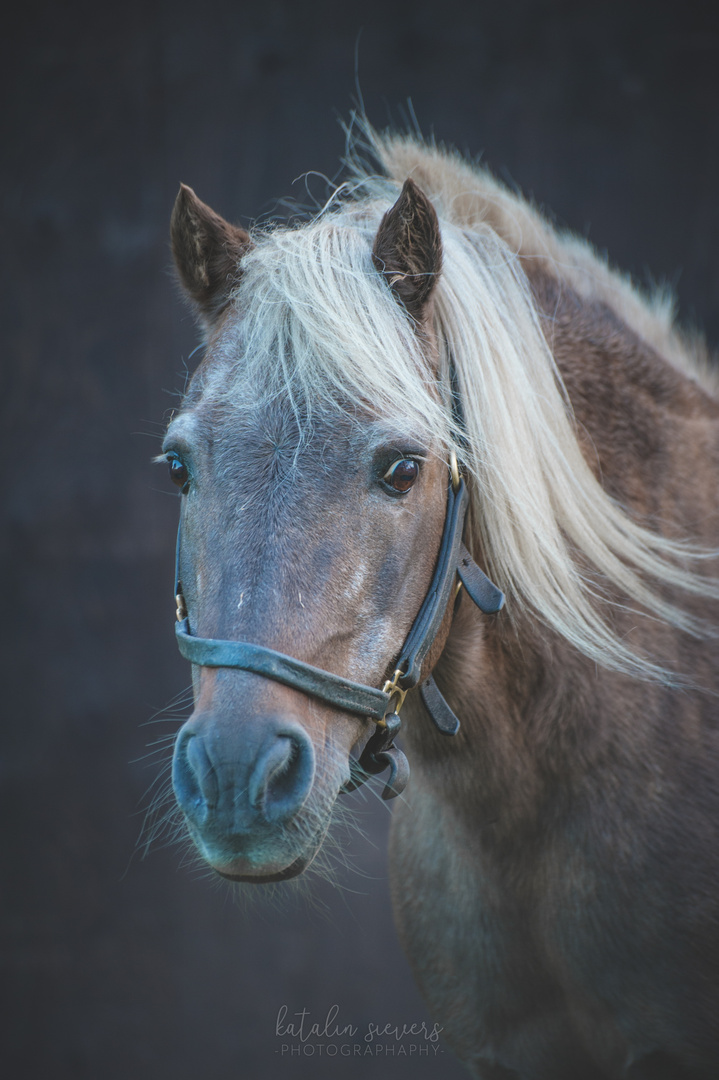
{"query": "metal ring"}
[(454, 469)]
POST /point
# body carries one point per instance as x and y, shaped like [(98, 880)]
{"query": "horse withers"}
[(421, 397)]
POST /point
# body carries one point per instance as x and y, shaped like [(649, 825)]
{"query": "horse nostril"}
[(282, 777), (193, 777)]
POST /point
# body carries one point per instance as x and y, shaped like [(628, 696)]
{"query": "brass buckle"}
[(454, 470), (393, 688)]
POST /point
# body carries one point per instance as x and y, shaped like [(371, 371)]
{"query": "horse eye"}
[(178, 472), (402, 474)]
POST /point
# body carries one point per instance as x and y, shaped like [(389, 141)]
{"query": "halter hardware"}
[(393, 688), (383, 705), (454, 470)]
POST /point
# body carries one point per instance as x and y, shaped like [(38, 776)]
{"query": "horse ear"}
[(408, 249), (207, 251)]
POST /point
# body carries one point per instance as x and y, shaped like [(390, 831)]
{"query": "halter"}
[(383, 705)]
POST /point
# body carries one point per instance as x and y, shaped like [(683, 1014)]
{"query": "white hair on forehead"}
[(321, 328), (320, 325)]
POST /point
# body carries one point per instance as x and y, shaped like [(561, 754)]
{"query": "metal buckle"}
[(393, 688), (181, 612)]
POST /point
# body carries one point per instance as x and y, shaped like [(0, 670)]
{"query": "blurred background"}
[(114, 965)]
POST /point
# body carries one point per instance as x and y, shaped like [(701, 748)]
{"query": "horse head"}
[(309, 527)]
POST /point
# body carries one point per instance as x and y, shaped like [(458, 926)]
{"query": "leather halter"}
[(383, 705)]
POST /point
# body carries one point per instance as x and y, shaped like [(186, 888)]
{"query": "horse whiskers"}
[(162, 813), (161, 817), (183, 698), (158, 746)]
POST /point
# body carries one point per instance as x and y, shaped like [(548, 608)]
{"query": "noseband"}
[(383, 705)]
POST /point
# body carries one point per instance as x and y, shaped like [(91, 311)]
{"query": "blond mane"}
[(471, 197), (319, 324)]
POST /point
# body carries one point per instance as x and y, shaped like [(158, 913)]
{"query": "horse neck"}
[(537, 717), (637, 415)]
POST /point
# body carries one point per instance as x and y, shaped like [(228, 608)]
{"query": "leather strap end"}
[(482, 591), (435, 704), (398, 772)]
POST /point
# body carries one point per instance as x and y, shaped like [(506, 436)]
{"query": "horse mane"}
[(320, 326), (471, 197)]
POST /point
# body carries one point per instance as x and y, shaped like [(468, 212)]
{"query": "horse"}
[(438, 450)]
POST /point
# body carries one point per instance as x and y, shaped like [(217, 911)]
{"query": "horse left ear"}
[(207, 252), (408, 249)]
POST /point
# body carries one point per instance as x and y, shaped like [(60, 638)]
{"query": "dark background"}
[(114, 966)]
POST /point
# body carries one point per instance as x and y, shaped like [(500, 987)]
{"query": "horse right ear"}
[(207, 251)]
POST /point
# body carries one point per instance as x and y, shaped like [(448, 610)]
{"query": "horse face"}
[(321, 549), (319, 544)]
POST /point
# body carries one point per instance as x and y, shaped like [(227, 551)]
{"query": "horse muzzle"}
[(241, 791)]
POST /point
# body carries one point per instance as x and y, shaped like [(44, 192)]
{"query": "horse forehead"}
[(268, 464), (268, 489), (276, 442)]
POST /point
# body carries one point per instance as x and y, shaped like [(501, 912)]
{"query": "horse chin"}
[(293, 870), (258, 871)]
